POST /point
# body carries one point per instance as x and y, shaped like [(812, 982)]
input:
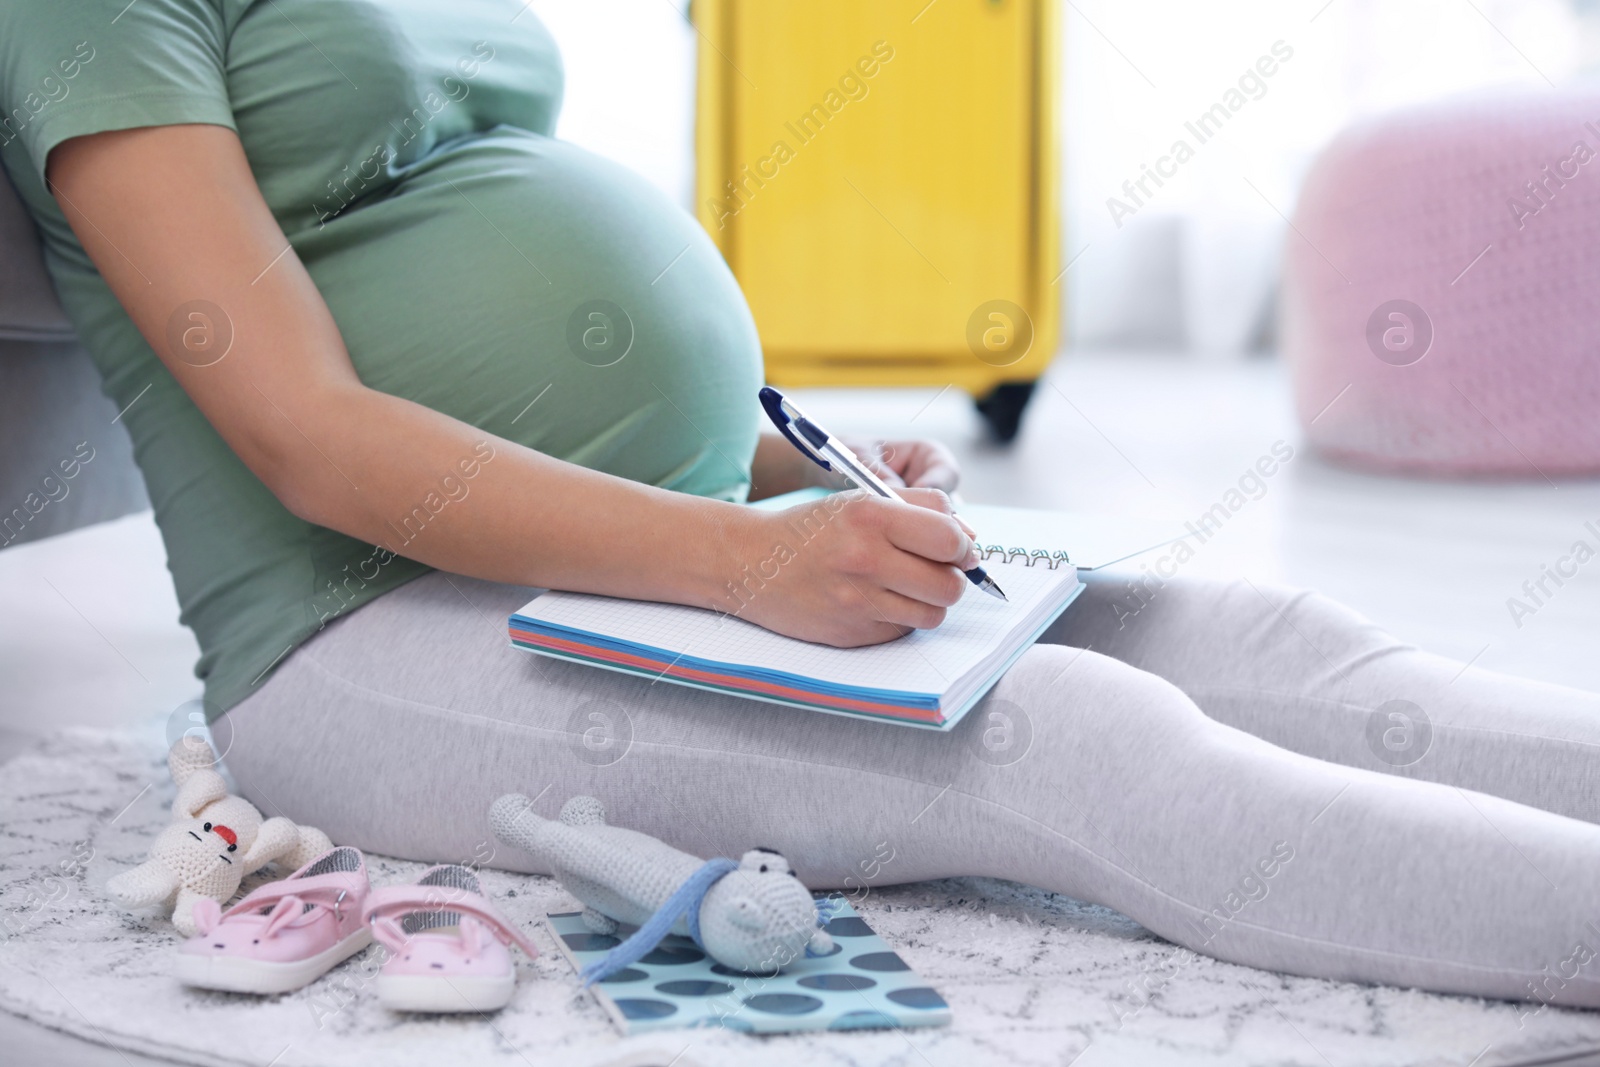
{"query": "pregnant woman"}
[(390, 355)]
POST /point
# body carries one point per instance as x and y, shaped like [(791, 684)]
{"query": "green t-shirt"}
[(473, 264)]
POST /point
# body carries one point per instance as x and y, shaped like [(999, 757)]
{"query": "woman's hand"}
[(852, 569), (915, 464), (779, 467)]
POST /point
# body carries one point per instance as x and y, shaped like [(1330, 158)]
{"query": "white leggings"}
[(1228, 766)]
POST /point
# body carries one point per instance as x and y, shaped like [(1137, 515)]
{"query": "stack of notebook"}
[(929, 678)]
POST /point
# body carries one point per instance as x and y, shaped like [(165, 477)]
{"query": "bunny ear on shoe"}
[(283, 934), (205, 915), (399, 912), (441, 955)]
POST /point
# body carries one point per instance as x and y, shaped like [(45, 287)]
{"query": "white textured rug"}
[(1033, 978)]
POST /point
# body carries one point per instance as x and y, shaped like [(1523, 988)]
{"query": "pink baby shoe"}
[(284, 934), (448, 946)]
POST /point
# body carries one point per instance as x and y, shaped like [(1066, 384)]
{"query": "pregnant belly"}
[(553, 298)]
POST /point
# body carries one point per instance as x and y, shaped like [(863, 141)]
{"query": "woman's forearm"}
[(431, 488), (780, 468)]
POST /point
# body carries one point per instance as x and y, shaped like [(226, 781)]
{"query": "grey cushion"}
[(29, 309), (50, 404)]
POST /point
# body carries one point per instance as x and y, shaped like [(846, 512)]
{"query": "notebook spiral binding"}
[(1038, 555)]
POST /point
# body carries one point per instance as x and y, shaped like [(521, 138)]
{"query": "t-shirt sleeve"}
[(74, 67)]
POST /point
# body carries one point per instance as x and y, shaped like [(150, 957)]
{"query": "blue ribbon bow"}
[(686, 898)]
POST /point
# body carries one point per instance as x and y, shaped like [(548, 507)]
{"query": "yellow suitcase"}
[(882, 176)]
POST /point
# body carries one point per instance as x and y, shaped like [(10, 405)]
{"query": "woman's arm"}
[(779, 467), (172, 215)]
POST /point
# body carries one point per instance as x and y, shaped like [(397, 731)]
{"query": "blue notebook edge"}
[(667, 656), (951, 719)]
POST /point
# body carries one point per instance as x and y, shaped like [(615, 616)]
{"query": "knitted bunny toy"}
[(754, 915), (214, 840)]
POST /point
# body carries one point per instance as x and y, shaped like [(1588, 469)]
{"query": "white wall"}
[(1194, 266), (630, 84), (1216, 228)]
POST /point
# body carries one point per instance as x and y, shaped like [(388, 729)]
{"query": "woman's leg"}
[(1308, 674), (398, 725)]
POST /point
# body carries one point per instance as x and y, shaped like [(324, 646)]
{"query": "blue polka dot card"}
[(862, 984)]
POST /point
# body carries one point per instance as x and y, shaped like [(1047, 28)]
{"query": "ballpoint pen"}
[(822, 449)]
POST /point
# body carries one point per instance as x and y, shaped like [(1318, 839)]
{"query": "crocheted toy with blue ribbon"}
[(753, 915)]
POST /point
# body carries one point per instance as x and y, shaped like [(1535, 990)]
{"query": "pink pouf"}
[(1441, 293)]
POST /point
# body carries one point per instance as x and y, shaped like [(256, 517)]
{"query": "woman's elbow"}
[(297, 488), (298, 473), (297, 498), (303, 503)]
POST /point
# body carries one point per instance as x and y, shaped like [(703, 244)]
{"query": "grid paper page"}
[(925, 661)]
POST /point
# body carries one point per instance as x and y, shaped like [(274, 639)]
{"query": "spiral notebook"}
[(929, 678)]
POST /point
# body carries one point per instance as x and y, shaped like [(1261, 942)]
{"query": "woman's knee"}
[(1199, 631), (1076, 703), (1312, 618)]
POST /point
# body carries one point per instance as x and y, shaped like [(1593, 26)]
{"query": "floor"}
[(1143, 434)]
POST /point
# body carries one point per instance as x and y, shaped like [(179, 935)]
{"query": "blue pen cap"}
[(772, 401)]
